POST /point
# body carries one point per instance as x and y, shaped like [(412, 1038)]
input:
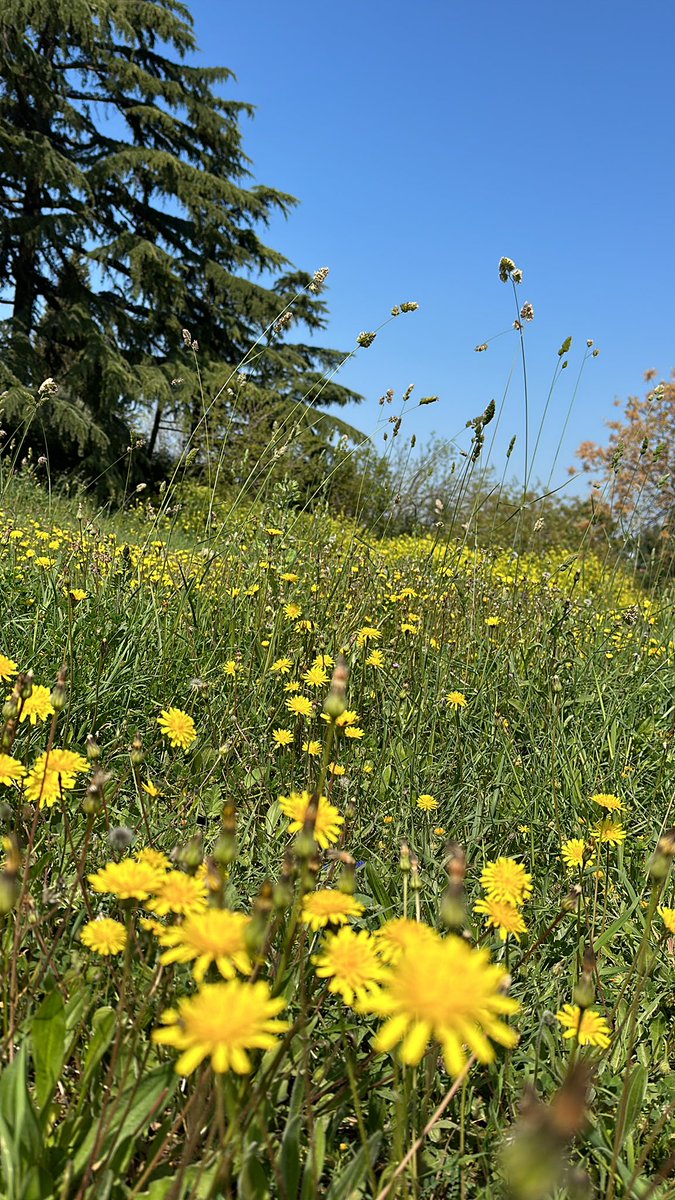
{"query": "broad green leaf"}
[(140, 1102), (103, 1026), (637, 1086), (48, 1044), (289, 1157)]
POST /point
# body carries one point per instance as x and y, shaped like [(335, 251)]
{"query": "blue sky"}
[(427, 140)]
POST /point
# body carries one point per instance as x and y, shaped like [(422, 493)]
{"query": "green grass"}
[(568, 694)]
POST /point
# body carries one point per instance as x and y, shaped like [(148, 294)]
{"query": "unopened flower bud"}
[(93, 748), (584, 991), (405, 858), (58, 696), (137, 753)]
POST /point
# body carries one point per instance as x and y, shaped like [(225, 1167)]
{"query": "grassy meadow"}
[(334, 865)]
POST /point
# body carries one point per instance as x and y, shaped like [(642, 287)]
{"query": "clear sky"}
[(426, 140)]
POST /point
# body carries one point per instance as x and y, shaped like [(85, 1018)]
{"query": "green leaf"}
[(289, 1157), (139, 1103), (19, 1127), (103, 1025), (355, 1171), (48, 1044), (637, 1086), (316, 1156)]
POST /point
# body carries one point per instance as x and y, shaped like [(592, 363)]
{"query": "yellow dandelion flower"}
[(492, 622), (375, 659), (573, 853), (178, 727), (350, 961), (328, 819), (155, 858), (78, 595), (336, 768), (324, 660), (292, 611), (354, 731), (178, 893), (8, 667), (591, 1029), (151, 788), (230, 668), (128, 880), (422, 1001), (64, 762), (222, 1022), (312, 748), (608, 831), (400, 934), (11, 770), (328, 906), (281, 666), (426, 802), (38, 706), (104, 936), (315, 677), (501, 916), (367, 633), (282, 737), (213, 936), (300, 706), (667, 915), (505, 879), (456, 699), (607, 800)]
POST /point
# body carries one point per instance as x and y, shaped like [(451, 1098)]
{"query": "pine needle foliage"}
[(127, 216)]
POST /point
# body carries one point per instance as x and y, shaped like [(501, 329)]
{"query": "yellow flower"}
[(312, 748), (8, 667), (350, 961), (456, 699), (328, 819), (426, 802), (77, 594), (178, 893), (292, 611), (367, 634), (354, 731), (667, 915), (178, 727), (328, 906), (323, 660), (213, 936), (607, 800), (38, 706), (222, 1022), (375, 659), (573, 853), (282, 737), (156, 858), (64, 762), (128, 880), (424, 999), (281, 666), (336, 768), (506, 880), (502, 916), (593, 1030), (104, 936), (399, 935), (151, 789), (10, 770), (315, 677), (491, 622), (230, 668), (300, 705), (609, 831)]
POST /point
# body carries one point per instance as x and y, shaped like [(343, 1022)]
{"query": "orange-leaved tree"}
[(635, 471)]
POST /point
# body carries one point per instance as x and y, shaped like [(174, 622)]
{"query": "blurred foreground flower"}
[(222, 1022), (444, 989)]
